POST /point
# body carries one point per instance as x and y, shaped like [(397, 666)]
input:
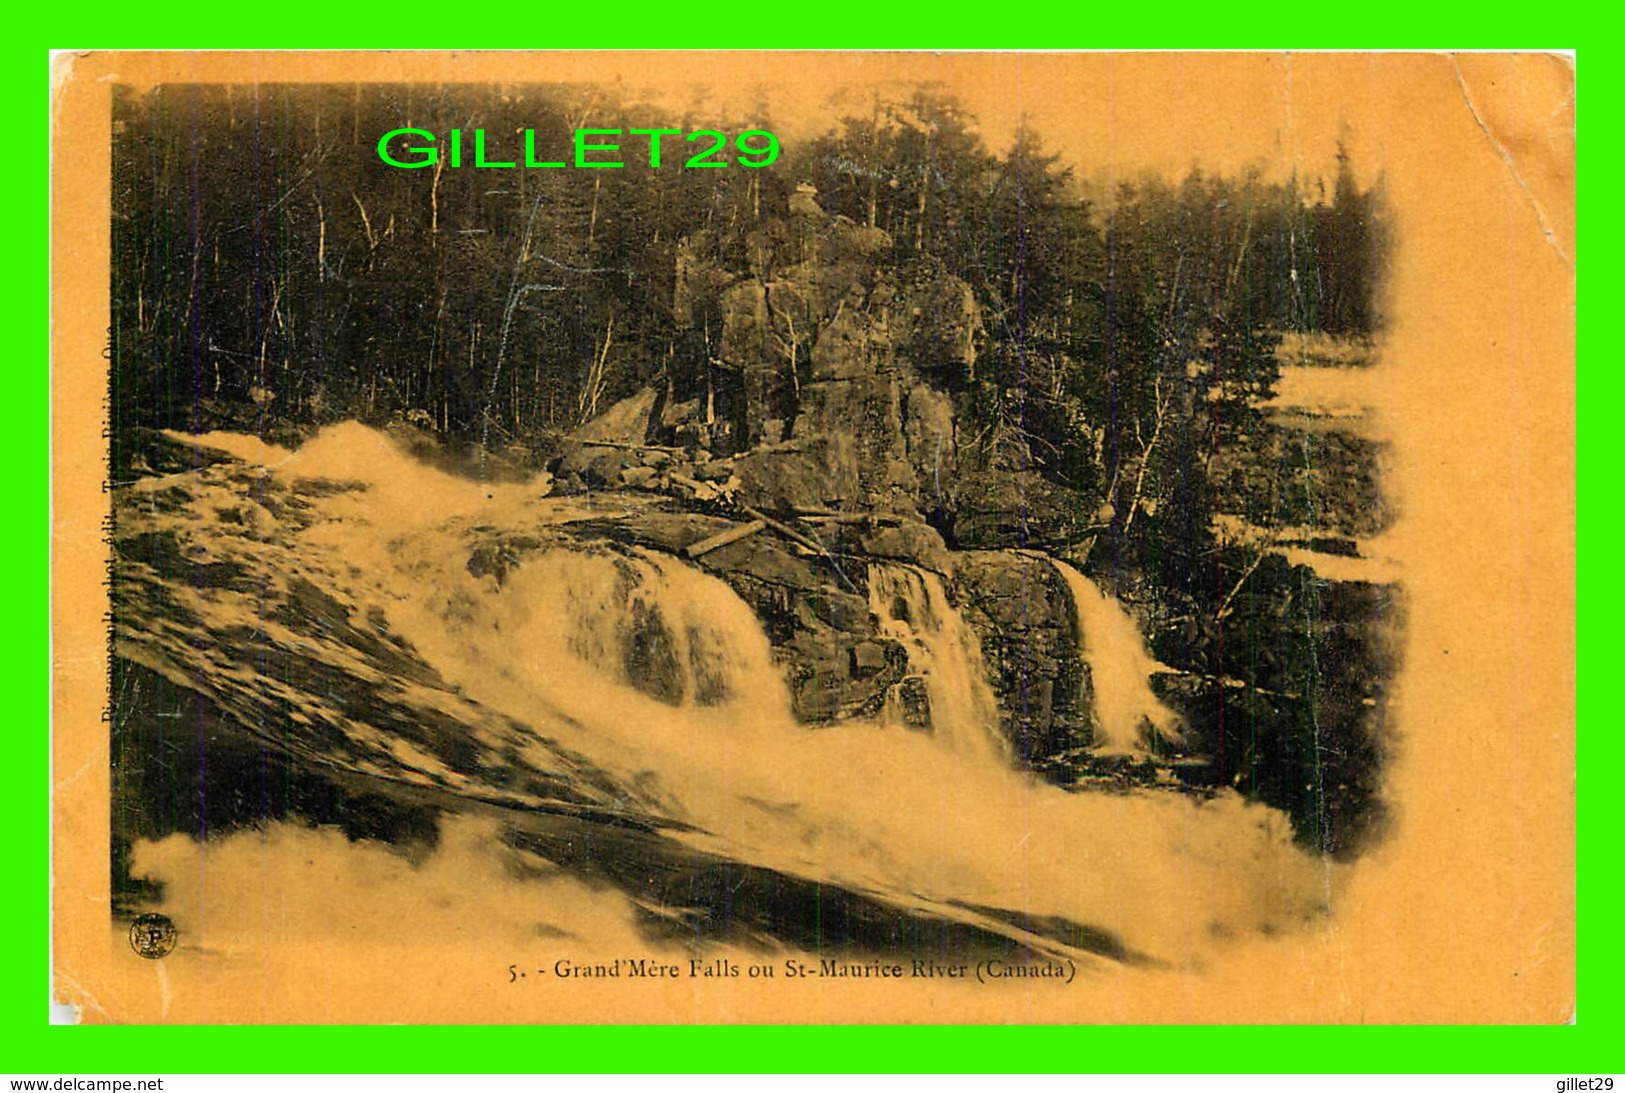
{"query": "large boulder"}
[(626, 422), (598, 451), (908, 541)]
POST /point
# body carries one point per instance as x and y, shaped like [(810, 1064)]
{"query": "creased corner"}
[(1511, 162)]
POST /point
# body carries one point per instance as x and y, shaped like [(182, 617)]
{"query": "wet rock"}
[(145, 451), (661, 530), (914, 703), (909, 542), (868, 657), (819, 686), (649, 655), (842, 610), (1023, 615), (1035, 706), (496, 557), (764, 560), (815, 623)]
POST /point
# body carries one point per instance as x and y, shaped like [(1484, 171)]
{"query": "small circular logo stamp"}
[(152, 936)]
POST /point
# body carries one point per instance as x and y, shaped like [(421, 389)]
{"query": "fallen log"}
[(804, 542), (850, 518), (702, 491), (626, 447), (788, 532), (722, 539)]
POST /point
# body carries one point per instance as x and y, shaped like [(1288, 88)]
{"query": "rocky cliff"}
[(830, 405)]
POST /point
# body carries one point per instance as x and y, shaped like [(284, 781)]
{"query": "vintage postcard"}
[(814, 537)]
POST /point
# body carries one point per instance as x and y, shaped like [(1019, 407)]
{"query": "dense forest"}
[(271, 275), (265, 257)]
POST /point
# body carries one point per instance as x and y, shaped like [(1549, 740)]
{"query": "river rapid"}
[(613, 746)]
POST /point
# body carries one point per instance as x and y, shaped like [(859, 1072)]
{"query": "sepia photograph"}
[(834, 538)]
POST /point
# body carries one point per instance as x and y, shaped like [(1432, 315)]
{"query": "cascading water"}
[(663, 681), (913, 609), (646, 622), (1127, 713)]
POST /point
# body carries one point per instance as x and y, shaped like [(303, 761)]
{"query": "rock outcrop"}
[(833, 366), (829, 399), (1023, 615)]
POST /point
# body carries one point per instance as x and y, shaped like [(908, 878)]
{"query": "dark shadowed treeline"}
[(266, 258), (270, 271)]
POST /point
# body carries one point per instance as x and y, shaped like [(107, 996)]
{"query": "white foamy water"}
[(1127, 713), (664, 679), (912, 608)]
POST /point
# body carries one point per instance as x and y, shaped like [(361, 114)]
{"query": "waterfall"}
[(591, 679), (1127, 713), (648, 622), (959, 706)]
